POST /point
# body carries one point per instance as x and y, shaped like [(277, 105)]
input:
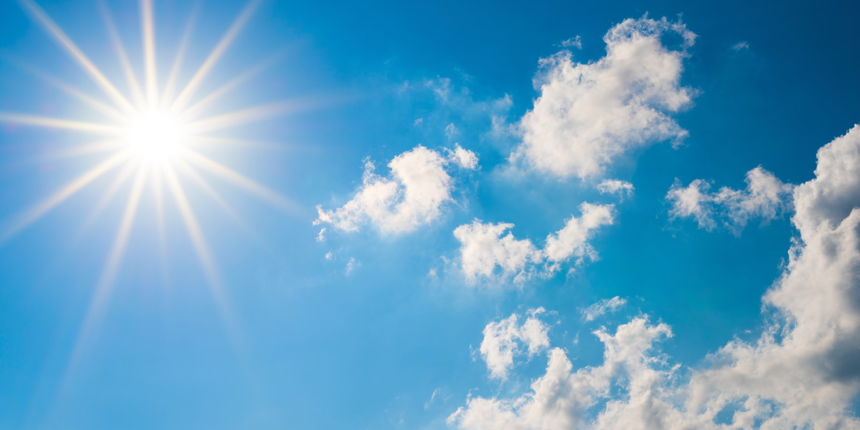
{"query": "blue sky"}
[(472, 216)]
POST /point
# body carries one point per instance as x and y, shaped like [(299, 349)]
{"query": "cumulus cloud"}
[(413, 195), (483, 247), (615, 186), (590, 114), (802, 372), (765, 197), (602, 307), (561, 398), (741, 46), (809, 363), (463, 157), (505, 339)]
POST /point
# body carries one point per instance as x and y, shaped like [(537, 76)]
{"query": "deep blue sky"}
[(321, 348)]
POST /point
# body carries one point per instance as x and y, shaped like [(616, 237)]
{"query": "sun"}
[(154, 137)]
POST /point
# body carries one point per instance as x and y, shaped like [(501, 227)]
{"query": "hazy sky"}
[(352, 215)]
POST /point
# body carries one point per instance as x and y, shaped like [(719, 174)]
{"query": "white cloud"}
[(572, 240), (463, 157), (412, 196), (321, 235), (765, 197), (329, 255), (615, 186), (451, 130), (561, 398), (740, 46), (483, 246), (602, 307), (432, 398), (351, 265), (573, 42), (502, 342), (809, 363), (802, 372), (590, 114)]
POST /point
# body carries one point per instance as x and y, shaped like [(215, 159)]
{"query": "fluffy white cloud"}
[(809, 363), (765, 197), (502, 342), (571, 240), (602, 307), (561, 398), (483, 246), (589, 114), (463, 157), (413, 195), (802, 372), (615, 186)]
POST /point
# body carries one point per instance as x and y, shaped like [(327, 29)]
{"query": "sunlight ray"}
[(170, 87), (79, 150), (209, 141), (203, 254), (253, 114), (190, 113), (98, 302), (76, 53), (115, 186), (60, 123), (223, 44), (237, 179), (42, 208), (130, 77), (158, 195), (104, 109), (148, 24), (189, 171)]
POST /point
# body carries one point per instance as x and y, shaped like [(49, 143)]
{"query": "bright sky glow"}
[(155, 137), (276, 214)]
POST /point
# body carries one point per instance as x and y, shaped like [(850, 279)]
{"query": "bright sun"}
[(155, 136)]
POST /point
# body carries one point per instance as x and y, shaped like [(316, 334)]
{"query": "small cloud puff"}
[(615, 186), (483, 246), (765, 197), (573, 42), (602, 307), (503, 341), (351, 265), (412, 196), (741, 46)]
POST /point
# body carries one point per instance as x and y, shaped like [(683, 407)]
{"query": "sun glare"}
[(160, 139), (154, 137)]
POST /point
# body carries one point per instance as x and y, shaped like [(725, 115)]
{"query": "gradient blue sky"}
[(392, 340)]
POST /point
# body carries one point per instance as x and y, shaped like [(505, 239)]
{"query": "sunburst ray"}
[(185, 96), (130, 77), (61, 38), (58, 197), (240, 180), (170, 87), (101, 295), (189, 172), (40, 121), (203, 254), (148, 24)]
